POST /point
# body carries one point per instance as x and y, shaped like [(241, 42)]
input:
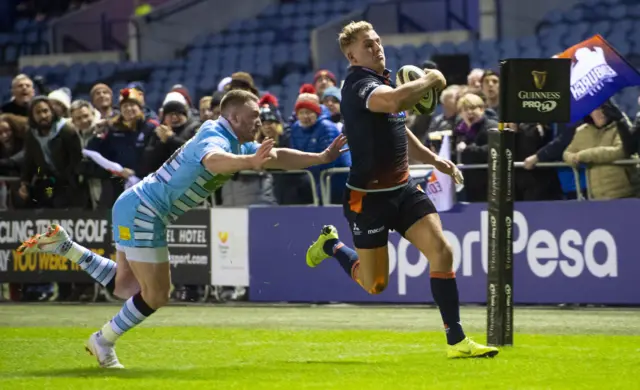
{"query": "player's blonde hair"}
[(350, 32), (236, 98)]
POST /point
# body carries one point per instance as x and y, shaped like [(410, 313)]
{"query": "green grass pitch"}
[(326, 347)]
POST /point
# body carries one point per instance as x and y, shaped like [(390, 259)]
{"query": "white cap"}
[(62, 95), (175, 97)]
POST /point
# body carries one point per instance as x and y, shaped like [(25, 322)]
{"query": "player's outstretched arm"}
[(226, 163), (287, 159), (393, 100), (421, 153)]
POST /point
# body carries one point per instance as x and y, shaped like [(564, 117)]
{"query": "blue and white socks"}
[(101, 269), (133, 312)]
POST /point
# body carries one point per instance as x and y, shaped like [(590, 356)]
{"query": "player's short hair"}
[(470, 100), (350, 32), (236, 98)]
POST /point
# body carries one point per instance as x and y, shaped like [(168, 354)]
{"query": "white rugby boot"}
[(104, 353), (54, 240)]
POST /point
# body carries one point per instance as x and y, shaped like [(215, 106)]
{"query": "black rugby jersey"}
[(377, 141)]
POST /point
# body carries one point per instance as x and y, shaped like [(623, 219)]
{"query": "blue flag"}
[(597, 73)]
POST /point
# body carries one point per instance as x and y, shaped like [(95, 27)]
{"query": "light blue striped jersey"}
[(183, 182)]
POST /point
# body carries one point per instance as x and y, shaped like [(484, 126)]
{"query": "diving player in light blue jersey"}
[(141, 274)]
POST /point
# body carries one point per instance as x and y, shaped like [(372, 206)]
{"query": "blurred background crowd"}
[(135, 114)]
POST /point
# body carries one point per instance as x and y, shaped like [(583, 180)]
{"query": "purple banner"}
[(565, 252)]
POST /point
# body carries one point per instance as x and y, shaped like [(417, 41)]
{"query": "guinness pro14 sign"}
[(535, 90)]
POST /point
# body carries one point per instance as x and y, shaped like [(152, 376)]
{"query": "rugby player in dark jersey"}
[(380, 195)]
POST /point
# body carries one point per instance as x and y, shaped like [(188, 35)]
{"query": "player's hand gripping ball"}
[(429, 102)]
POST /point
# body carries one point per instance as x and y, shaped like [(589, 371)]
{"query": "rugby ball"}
[(426, 105)]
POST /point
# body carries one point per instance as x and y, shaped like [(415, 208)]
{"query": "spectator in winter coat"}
[(597, 143), (538, 184), (331, 99), (12, 132), (21, 94), (313, 132), (93, 176), (178, 126), (52, 153), (552, 151), (124, 141), (471, 138)]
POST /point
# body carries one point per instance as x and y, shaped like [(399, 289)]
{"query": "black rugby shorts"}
[(372, 214)]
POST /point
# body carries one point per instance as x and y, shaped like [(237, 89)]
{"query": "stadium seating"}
[(264, 47), (27, 38), (280, 60)]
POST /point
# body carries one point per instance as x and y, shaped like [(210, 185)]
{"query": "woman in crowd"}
[(313, 132), (471, 138), (12, 130), (123, 141)]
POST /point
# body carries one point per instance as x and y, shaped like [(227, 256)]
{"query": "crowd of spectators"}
[(44, 141), (47, 141)]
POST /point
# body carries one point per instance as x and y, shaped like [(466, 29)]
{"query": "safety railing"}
[(312, 182), (325, 176)]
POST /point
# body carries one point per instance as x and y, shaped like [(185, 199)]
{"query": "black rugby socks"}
[(347, 257), (445, 294)]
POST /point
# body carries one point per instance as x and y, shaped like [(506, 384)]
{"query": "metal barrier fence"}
[(312, 182), (325, 176)]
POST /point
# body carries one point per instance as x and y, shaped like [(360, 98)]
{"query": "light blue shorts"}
[(137, 231)]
